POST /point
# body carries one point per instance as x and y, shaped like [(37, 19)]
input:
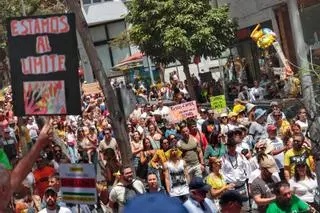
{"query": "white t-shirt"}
[(61, 210), (304, 189), (33, 128), (117, 194), (279, 158), (303, 125)]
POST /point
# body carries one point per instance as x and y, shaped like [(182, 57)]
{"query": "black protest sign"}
[(44, 65)]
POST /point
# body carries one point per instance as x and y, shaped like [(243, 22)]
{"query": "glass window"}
[(103, 52), (98, 33), (97, 1), (119, 54), (114, 29), (86, 1)]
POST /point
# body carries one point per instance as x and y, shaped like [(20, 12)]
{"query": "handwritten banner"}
[(91, 88), (78, 183), (183, 111), (44, 65), (218, 103)]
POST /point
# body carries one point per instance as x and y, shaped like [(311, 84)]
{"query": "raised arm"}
[(24, 166)]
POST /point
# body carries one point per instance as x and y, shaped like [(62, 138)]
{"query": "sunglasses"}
[(224, 117), (260, 148)]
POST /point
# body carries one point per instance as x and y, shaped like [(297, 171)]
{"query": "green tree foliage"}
[(170, 30)]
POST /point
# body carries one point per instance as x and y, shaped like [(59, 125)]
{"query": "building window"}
[(97, 1), (86, 1)]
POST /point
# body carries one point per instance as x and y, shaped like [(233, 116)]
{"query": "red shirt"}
[(203, 141)]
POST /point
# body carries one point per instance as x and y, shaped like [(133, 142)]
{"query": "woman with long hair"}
[(176, 174), (154, 136), (145, 156), (302, 120), (136, 148), (304, 183), (216, 180), (215, 147), (111, 168)]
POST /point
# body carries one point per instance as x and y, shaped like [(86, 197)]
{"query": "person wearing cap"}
[(297, 152), (9, 145), (286, 201), (271, 119), (154, 203), (224, 123), (232, 121), (261, 187), (50, 197), (251, 108), (235, 167), (304, 183), (258, 127), (231, 201), (210, 125), (197, 201), (278, 148)]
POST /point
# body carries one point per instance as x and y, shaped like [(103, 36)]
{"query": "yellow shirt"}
[(158, 157), (283, 129), (216, 182), (290, 159)]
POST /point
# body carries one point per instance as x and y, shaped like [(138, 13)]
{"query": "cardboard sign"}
[(183, 111), (91, 88), (78, 183), (218, 103), (44, 65)]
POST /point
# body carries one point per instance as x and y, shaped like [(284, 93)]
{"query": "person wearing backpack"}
[(126, 189)]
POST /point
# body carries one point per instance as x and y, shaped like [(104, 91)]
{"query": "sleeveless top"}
[(178, 181)]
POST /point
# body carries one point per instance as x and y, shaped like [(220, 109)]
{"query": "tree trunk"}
[(190, 81), (117, 117), (161, 70)]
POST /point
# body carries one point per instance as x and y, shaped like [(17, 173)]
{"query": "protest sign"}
[(218, 103), (91, 88), (44, 65), (78, 183), (183, 111)]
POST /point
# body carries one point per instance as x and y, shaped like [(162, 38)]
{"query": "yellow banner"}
[(218, 103)]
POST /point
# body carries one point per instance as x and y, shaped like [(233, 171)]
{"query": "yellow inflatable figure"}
[(263, 37)]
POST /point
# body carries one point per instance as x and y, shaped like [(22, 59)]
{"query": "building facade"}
[(105, 19), (272, 14)]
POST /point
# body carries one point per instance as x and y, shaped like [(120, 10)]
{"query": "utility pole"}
[(302, 58), (117, 117), (306, 81)]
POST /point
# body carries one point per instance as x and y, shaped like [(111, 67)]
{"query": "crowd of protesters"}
[(243, 159)]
